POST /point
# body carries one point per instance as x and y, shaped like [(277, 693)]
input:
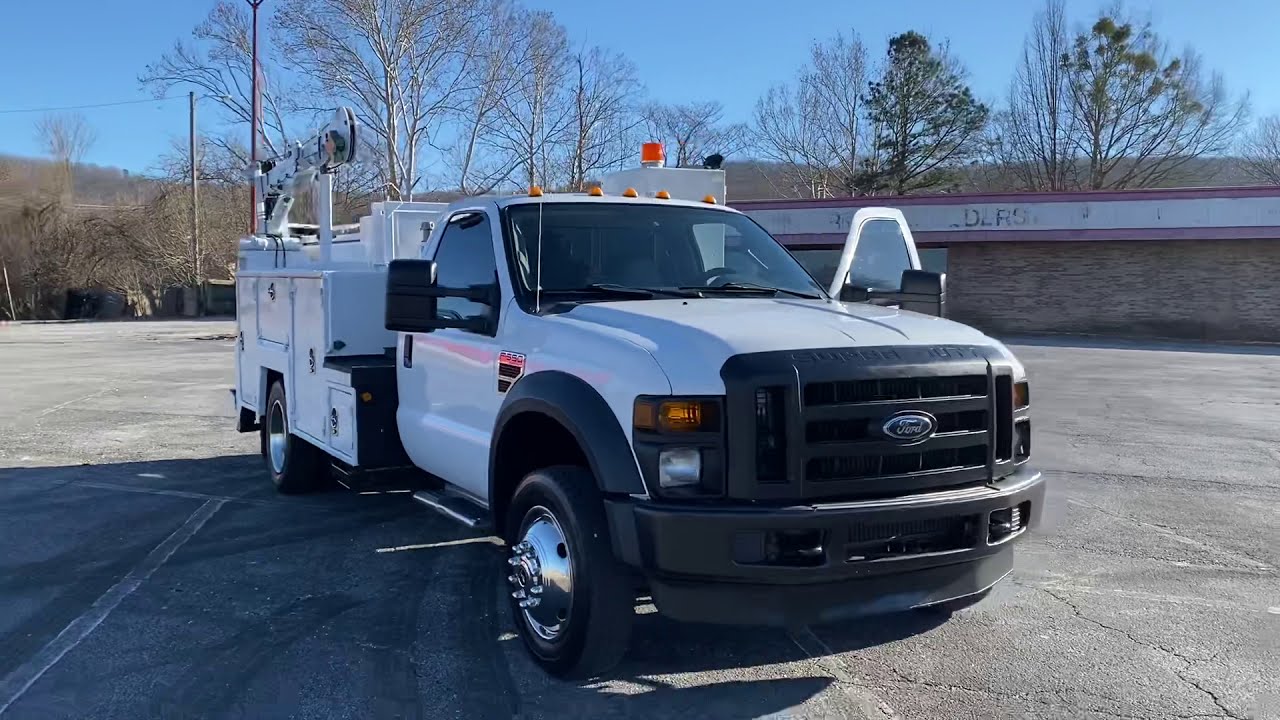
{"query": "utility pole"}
[(195, 194), (255, 109), (13, 310)]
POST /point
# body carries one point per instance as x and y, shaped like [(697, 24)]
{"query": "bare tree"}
[(994, 169), (1140, 117), (604, 118), (400, 64), (1036, 129), (492, 76), (814, 131), (694, 131), (1260, 151), (218, 64), (533, 116), (66, 138)]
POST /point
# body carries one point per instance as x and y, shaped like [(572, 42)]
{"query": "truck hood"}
[(692, 338)]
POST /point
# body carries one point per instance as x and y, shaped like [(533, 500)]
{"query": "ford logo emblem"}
[(910, 427)]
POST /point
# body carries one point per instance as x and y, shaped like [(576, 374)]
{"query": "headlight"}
[(679, 443), (679, 467)]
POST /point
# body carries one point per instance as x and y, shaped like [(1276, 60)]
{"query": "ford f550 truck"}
[(643, 394)]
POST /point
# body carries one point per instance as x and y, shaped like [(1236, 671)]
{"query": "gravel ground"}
[(148, 570)]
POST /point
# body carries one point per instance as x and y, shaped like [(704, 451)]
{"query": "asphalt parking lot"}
[(148, 570)]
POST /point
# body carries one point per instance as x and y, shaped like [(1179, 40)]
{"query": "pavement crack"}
[(1248, 561), (1188, 662), (1239, 487), (1056, 700)]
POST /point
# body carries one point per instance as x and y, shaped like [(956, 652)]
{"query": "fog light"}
[(679, 467)]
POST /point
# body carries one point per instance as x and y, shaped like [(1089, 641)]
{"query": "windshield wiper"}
[(754, 288), (624, 291)]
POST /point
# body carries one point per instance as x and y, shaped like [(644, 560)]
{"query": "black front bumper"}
[(692, 556)]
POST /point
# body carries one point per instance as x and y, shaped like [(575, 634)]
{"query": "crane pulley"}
[(279, 179)]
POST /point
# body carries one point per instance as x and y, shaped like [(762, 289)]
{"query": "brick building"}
[(1198, 264)]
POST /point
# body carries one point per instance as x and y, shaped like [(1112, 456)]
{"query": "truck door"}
[(877, 249), (448, 378)]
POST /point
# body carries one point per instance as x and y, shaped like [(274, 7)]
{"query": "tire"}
[(590, 637), (295, 465), (950, 607)]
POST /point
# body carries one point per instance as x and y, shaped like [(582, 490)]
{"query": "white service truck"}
[(643, 394)]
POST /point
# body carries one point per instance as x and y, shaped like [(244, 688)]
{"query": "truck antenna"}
[(537, 277)]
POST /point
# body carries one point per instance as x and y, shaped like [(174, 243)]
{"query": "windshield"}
[(678, 249)]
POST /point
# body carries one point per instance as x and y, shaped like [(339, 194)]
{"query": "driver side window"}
[(465, 258)]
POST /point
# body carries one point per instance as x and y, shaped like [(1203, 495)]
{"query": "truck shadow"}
[(752, 698), (74, 530), (684, 670), (675, 669)]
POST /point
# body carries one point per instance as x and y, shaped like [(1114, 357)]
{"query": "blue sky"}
[(74, 52)]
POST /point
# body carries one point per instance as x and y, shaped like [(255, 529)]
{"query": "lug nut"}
[(512, 579), (531, 602), (519, 595), (535, 590), (524, 547), (513, 561)]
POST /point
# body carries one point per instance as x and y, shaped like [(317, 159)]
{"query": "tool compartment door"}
[(274, 316), (342, 423), (248, 369), (308, 397)]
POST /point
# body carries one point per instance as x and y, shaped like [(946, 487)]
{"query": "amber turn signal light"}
[(676, 415)]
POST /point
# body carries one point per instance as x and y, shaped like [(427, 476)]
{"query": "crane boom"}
[(279, 179)]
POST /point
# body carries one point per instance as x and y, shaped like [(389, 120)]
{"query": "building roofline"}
[(1202, 193)]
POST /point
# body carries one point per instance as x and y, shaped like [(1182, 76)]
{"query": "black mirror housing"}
[(853, 293), (412, 296), (411, 300), (924, 292), (920, 291)]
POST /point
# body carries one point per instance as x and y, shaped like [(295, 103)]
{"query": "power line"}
[(85, 107)]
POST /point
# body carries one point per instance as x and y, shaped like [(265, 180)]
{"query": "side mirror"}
[(920, 291), (854, 293), (924, 292), (412, 296)]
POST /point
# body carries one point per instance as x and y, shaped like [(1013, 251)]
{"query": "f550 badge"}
[(510, 368)]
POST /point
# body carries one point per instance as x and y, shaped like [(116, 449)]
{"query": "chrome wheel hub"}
[(277, 437), (542, 575)]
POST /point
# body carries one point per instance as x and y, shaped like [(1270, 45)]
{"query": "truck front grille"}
[(881, 541), (859, 467), (862, 391), (846, 452), (811, 426)]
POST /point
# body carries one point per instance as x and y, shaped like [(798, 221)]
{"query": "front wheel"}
[(573, 601)]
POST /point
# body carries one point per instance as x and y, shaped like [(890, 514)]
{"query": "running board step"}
[(454, 507)]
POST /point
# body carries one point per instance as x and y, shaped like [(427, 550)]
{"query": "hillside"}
[(746, 180), (93, 184)]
